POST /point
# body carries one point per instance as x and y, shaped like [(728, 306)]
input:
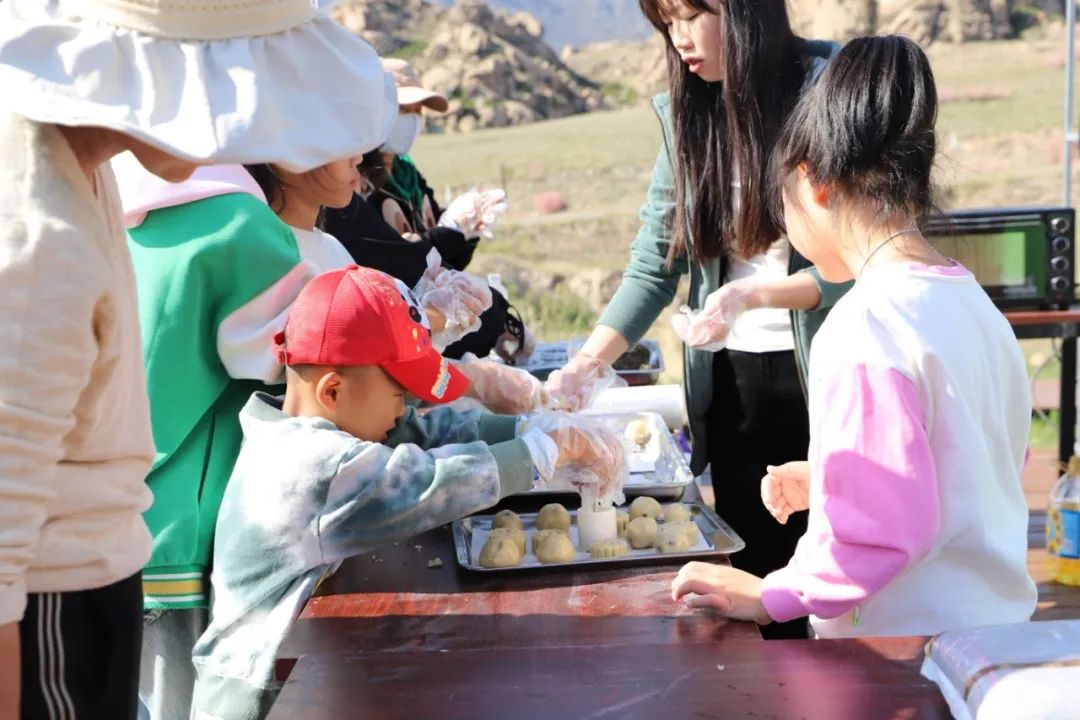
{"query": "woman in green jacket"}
[(735, 71)]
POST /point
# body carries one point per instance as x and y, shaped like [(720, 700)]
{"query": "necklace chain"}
[(886, 241)]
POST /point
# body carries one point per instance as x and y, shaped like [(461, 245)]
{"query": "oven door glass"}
[(1010, 262)]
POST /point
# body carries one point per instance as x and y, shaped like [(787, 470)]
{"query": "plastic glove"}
[(475, 213), (708, 329), (590, 455), (460, 297), (577, 384), (786, 489), (502, 389)]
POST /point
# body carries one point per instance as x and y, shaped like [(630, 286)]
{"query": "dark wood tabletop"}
[(734, 678), (390, 600)]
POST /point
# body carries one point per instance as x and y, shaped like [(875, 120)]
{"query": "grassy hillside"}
[(1000, 142)]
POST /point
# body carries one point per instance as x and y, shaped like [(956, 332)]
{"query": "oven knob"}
[(1059, 284), (1060, 244), (1059, 264), (1060, 224)]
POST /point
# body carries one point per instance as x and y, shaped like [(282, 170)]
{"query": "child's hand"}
[(589, 454), (734, 593), (502, 389), (786, 489)]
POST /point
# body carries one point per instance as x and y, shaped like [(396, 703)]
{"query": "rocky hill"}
[(495, 67), (581, 22)]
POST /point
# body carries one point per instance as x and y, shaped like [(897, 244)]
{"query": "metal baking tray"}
[(671, 474), (551, 356), (716, 539)]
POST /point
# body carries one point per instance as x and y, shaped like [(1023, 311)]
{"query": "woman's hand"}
[(589, 454), (576, 384), (786, 489), (734, 593), (708, 328)]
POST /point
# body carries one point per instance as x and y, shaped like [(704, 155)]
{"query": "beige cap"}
[(409, 88)]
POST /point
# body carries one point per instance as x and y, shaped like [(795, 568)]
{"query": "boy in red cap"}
[(341, 465)]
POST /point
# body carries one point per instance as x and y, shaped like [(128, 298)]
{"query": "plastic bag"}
[(590, 455), (502, 389), (476, 212), (461, 298)]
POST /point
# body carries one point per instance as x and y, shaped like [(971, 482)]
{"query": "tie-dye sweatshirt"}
[(304, 496), (919, 420)]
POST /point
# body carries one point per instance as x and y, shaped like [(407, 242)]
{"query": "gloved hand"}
[(708, 329), (588, 455), (577, 384), (786, 489), (502, 389), (475, 213), (460, 297)]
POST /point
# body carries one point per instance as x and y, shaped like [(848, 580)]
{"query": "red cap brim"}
[(430, 378)]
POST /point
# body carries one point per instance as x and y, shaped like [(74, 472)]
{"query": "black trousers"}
[(758, 417), (80, 653)]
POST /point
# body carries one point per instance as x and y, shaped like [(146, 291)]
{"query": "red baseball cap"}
[(354, 317)]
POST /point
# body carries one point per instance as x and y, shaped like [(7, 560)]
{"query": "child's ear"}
[(327, 389), (820, 194)]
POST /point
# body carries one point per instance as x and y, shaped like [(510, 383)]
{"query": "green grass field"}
[(999, 137)]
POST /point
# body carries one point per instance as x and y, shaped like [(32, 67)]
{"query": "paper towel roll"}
[(666, 400)]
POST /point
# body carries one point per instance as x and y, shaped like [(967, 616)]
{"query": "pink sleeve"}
[(873, 496)]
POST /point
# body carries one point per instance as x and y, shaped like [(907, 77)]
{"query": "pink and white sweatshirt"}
[(919, 415)]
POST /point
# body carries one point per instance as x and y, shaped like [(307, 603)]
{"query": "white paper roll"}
[(666, 400)]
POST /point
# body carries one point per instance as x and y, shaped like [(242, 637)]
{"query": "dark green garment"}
[(649, 285)]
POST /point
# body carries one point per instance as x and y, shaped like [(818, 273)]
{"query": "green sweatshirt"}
[(215, 278), (649, 285)]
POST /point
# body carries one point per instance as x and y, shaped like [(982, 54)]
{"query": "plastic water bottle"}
[(1063, 526)]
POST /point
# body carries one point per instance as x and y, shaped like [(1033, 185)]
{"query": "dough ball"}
[(553, 517), (553, 547), (613, 548), (689, 528), (641, 532), (638, 432), (500, 551), (516, 534), (540, 536), (672, 539), (676, 512), (622, 519), (507, 519), (645, 507)]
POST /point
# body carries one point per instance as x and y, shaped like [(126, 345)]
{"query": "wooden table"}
[(392, 601), (730, 678)]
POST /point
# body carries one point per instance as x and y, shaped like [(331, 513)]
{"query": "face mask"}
[(404, 133)]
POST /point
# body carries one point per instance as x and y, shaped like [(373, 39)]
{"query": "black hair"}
[(271, 185), (866, 130), (727, 130)]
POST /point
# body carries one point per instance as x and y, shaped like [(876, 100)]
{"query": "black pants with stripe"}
[(80, 653), (758, 417)]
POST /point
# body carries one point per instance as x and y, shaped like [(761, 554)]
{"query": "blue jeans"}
[(166, 673)]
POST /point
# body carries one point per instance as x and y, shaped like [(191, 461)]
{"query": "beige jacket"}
[(75, 441)]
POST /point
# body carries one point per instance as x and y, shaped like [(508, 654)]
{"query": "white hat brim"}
[(428, 98), (299, 98)]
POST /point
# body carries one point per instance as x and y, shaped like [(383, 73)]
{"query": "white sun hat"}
[(211, 81)]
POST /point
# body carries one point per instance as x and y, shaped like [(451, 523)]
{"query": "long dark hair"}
[(866, 130), (726, 131)]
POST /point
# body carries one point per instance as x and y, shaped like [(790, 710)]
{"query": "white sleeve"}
[(50, 293), (245, 339)]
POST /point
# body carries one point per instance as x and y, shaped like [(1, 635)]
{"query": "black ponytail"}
[(866, 129)]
